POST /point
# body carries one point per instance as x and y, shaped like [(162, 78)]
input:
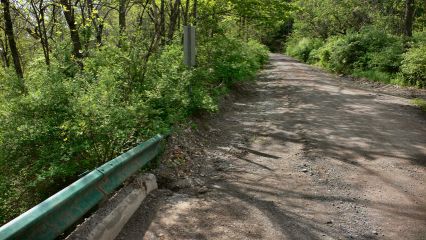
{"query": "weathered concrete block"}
[(107, 222)]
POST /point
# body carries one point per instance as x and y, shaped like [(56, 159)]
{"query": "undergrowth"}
[(369, 53)]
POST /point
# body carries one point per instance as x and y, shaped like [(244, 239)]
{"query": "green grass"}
[(374, 75), (383, 77), (421, 103)]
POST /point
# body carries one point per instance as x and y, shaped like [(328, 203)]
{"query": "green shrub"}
[(302, 48), (413, 67), (166, 86), (324, 55), (258, 52), (369, 49), (419, 38), (388, 59), (30, 138), (232, 60)]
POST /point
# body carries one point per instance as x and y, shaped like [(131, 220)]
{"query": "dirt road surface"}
[(301, 155)]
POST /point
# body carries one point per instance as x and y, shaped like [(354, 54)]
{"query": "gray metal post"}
[(189, 44)]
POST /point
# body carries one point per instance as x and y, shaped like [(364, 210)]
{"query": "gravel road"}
[(299, 155)]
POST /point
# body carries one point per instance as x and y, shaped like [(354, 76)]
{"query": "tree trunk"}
[(174, 16), (245, 29), (195, 12), (121, 20), (75, 37), (99, 32), (99, 26), (8, 28), (53, 21), (45, 39), (186, 14), (409, 18), (41, 29), (141, 16), (162, 23), (3, 53)]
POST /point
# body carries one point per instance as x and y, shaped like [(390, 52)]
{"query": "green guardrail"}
[(56, 214)]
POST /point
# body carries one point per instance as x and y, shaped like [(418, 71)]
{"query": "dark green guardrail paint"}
[(53, 216)]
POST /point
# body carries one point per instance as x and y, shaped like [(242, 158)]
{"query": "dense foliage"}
[(92, 87), (378, 40), (413, 68)]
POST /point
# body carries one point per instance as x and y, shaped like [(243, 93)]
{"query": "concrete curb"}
[(107, 222)]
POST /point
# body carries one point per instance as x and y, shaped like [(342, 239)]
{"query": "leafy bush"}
[(30, 138), (258, 53), (324, 55), (419, 38), (413, 67), (365, 50), (388, 59), (232, 60), (301, 48)]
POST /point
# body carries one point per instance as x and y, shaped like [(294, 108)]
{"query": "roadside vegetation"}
[(83, 81), (379, 40), (421, 103)]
